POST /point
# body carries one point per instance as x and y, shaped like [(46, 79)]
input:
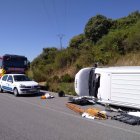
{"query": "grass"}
[(131, 59), (68, 88)]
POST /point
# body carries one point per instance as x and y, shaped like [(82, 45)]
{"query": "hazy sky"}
[(28, 26)]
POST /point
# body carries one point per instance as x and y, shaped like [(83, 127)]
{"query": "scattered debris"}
[(137, 114), (112, 109), (43, 97), (96, 113), (75, 108), (82, 100), (47, 96), (61, 94), (88, 113), (126, 118)]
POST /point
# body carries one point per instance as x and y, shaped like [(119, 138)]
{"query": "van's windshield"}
[(94, 83)]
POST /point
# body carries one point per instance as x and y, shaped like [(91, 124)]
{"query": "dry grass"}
[(131, 59), (67, 70)]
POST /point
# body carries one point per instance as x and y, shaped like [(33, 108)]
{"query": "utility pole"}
[(60, 38)]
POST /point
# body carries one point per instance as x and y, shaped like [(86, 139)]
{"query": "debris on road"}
[(96, 113), (47, 96), (88, 113), (75, 108), (82, 100), (126, 118), (137, 114), (61, 94)]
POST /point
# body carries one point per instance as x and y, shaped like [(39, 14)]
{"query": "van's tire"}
[(16, 92), (1, 90)]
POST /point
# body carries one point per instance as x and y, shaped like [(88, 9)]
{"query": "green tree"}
[(76, 41), (66, 57), (114, 42), (97, 27), (126, 22), (133, 40), (43, 64), (86, 57)]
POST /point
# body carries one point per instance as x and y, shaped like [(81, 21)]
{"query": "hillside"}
[(106, 41)]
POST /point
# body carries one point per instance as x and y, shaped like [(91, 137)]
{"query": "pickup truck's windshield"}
[(21, 78)]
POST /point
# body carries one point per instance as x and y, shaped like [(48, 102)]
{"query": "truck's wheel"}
[(16, 92), (1, 90)]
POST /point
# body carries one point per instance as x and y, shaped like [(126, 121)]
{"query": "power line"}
[(65, 13), (46, 11), (56, 16), (56, 20)]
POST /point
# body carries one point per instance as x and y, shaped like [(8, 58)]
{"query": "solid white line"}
[(51, 109)]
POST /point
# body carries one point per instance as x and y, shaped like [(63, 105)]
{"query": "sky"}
[(28, 26)]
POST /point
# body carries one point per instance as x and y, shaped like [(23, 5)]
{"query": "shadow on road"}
[(29, 95), (33, 95)]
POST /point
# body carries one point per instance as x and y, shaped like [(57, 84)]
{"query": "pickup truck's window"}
[(4, 77)]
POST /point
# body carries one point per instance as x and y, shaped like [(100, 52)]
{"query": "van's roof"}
[(120, 69)]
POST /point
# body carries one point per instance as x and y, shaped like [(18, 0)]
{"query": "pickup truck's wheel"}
[(1, 90), (16, 92)]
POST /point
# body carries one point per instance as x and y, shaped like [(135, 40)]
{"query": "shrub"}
[(68, 88), (76, 41), (97, 27), (66, 78), (47, 86), (66, 58), (55, 79)]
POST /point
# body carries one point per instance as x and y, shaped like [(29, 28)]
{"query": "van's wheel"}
[(1, 90), (16, 92)]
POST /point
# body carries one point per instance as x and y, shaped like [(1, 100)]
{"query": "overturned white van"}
[(112, 85)]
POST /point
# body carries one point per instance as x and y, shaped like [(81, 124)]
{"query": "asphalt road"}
[(30, 118)]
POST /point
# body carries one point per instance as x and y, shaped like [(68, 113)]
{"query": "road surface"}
[(30, 118)]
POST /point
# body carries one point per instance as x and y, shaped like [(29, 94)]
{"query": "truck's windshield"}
[(17, 62)]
